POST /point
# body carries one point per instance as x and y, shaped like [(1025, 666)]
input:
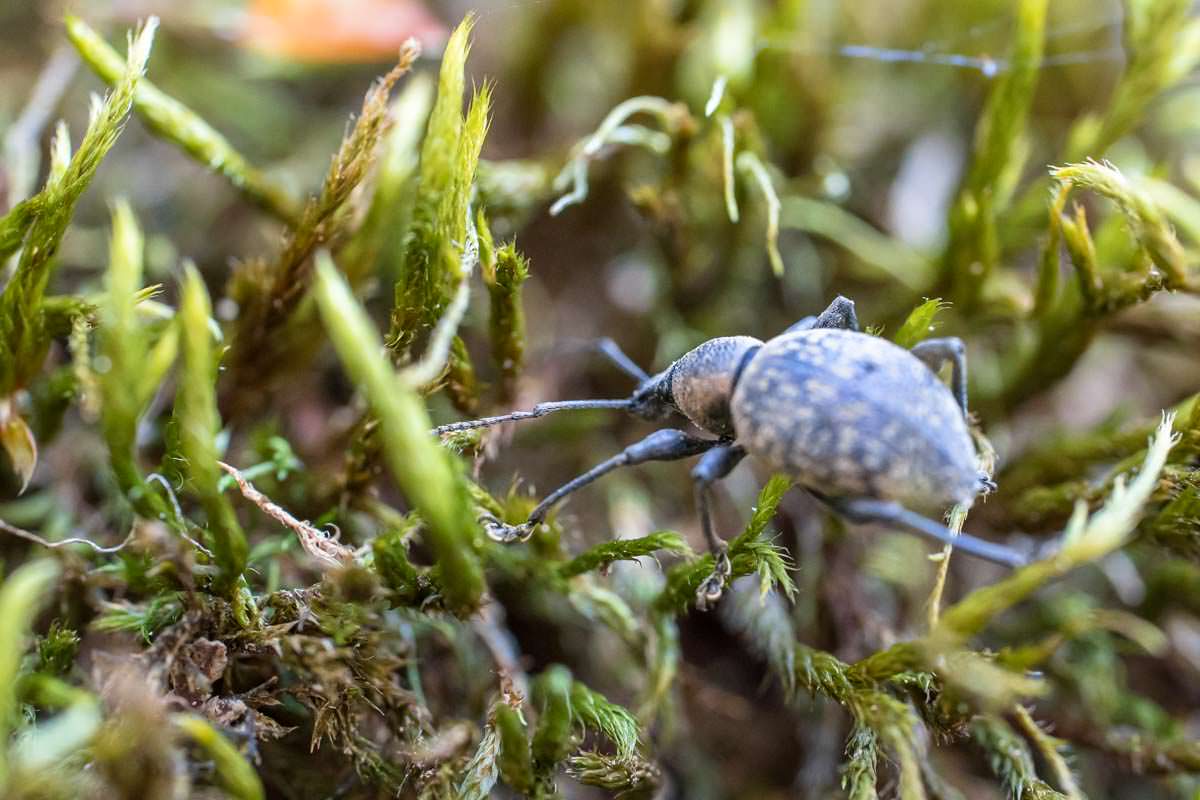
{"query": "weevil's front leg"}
[(870, 510), (665, 445), (936, 352), (712, 467), (839, 314)]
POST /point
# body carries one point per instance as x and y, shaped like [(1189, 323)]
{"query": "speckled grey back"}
[(850, 414)]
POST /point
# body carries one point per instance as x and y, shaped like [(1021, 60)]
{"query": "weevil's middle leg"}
[(664, 445), (870, 510), (714, 465), (936, 352)]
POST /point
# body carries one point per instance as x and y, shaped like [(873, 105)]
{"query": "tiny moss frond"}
[(1010, 759), (862, 755), (920, 323), (178, 124), (233, 771), (145, 619), (20, 596), (269, 295), (593, 710), (122, 341), (552, 738), (515, 761), (750, 163), (1148, 222), (482, 770), (896, 724), (749, 553), (21, 321), (438, 235), (196, 413), (614, 128), (605, 553), (378, 244), (1052, 750), (56, 650), (506, 323), (421, 468), (629, 778)]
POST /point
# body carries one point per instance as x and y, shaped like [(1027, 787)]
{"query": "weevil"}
[(862, 424)]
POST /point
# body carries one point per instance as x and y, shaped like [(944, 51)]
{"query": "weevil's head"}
[(652, 400), (699, 385)]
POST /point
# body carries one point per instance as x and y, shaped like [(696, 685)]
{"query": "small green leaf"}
[(552, 740), (20, 597), (199, 424), (516, 763), (234, 773), (919, 324), (422, 469), (605, 553), (175, 122)]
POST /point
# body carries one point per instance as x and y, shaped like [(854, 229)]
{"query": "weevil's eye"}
[(652, 400)]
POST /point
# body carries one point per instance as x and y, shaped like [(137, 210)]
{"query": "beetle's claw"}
[(714, 585), (504, 533)]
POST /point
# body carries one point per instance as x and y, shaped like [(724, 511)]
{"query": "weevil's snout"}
[(652, 400)]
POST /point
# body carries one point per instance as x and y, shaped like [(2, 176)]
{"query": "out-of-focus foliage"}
[(237, 562)]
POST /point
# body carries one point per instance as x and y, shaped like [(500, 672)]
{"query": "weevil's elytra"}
[(846, 413), (864, 425)]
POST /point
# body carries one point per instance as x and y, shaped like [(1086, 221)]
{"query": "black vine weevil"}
[(862, 424)]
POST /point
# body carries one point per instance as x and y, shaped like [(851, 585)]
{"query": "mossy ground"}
[(236, 561)]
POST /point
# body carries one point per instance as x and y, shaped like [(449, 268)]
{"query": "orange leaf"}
[(335, 31)]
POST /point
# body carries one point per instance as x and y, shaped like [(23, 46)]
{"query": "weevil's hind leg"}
[(665, 445), (936, 352), (712, 467), (839, 314), (870, 510)]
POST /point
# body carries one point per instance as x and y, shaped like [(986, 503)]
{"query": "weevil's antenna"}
[(540, 410), (623, 362)]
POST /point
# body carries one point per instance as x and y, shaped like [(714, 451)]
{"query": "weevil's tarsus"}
[(540, 410), (712, 467), (663, 445), (869, 510), (499, 531), (936, 352)]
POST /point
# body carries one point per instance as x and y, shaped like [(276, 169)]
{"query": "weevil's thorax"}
[(702, 381)]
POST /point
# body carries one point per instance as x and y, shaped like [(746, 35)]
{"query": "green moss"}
[(402, 668)]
